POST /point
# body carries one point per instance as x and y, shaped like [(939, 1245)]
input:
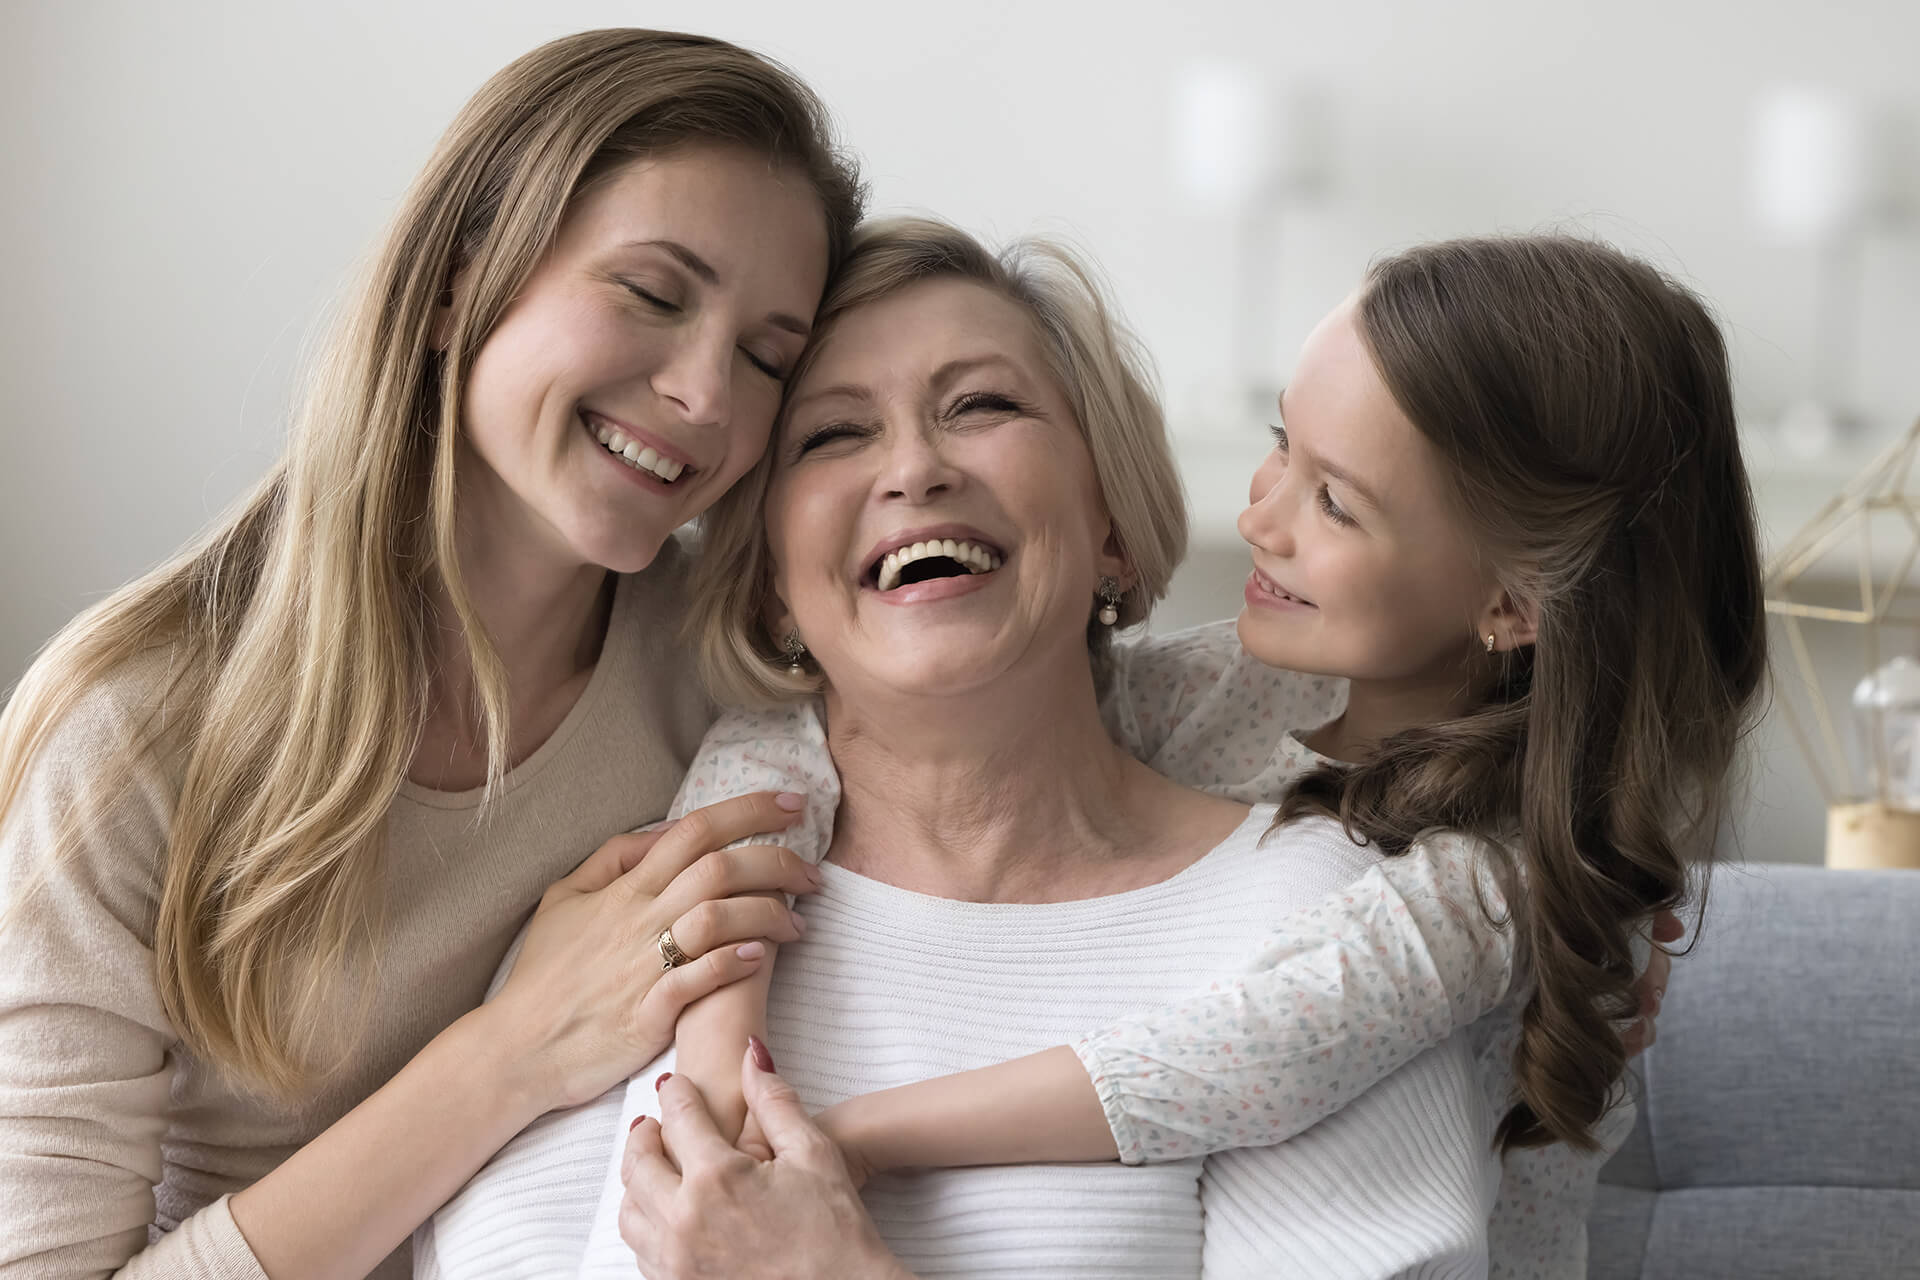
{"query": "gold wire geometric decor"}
[(1853, 566)]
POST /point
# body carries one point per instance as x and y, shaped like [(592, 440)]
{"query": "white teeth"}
[(636, 455), (975, 557)]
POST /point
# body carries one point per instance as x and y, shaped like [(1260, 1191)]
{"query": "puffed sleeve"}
[(86, 1051), (784, 749), (1341, 994)]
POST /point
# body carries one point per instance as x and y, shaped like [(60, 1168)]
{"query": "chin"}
[(1286, 652)]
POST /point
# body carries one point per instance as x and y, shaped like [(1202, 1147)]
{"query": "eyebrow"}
[(704, 270), (945, 375), (1333, 469)]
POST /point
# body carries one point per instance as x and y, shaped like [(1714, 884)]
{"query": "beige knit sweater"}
[(118, 1147)]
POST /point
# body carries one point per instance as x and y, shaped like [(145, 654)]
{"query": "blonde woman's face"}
[(934, 517), (636, 376), (1360, 566)]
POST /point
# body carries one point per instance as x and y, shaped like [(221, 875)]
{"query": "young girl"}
[(1506, 503)]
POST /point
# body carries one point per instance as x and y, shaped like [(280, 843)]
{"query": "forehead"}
[(901, 340), (1338, 408)]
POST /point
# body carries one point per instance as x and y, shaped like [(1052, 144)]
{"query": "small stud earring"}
[(796, 650), (1489, 642), (1109, 602)]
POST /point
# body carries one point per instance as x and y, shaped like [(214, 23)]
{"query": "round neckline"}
[(856, 883), (613, 652)]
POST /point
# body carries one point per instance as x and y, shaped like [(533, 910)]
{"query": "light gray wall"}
[(188, 183)]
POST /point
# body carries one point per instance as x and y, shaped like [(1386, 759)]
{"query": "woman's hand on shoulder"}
[(697, 1207), (588, 1002)]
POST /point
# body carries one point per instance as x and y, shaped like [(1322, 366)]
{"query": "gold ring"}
[(671, 956)]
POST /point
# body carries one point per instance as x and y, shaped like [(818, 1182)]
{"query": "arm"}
[(780, 750), (86, 1052), (1345, 992)]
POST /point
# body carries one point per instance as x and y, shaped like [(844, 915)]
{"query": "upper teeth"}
[(634, 454), (975, 557)]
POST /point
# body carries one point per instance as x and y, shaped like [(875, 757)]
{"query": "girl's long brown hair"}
[(1583, 405), (298, 628)]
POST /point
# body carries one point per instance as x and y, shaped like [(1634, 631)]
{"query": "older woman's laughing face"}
[(934, 517)]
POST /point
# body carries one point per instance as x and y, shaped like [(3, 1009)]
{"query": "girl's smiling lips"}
[(1264, 593)]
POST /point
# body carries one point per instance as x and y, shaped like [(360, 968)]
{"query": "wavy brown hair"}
[(299, 626), (1582, 403)]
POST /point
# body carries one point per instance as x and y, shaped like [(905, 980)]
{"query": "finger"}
[(612, 860), (720, 921), (704, 830), (758, 868), (1667, 927), (687, 1132), (677, 988), (644, 1170), (776, 1108)]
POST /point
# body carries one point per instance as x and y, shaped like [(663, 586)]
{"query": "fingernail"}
[(635, 1124), (761, 1058), (799, 922), (751, 950), (791, 801), (661, 1079)]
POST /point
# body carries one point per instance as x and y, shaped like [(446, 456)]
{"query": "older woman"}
[(1002, 874)]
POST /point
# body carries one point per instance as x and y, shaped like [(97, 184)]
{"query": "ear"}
[(1113, 562), (1512, 622), (777, 618)]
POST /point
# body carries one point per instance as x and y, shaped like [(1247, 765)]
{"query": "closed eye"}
[(1279, 436), (653, 300), (1332, 508), (767, 367), (827, 434), (984, 401)]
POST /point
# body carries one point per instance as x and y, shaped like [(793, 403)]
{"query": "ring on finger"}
[(671, 956)]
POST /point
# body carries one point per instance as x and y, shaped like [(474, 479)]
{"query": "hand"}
[(722, 1213), (587, 1003), (1652, 985)]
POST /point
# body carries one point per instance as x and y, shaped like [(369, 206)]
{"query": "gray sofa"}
[(1779, 1130)]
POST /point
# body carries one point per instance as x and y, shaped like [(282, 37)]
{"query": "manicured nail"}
[(661, 1079), (791, 801), (761, 1058), (635, 1124), (799, 922), (751, 950)]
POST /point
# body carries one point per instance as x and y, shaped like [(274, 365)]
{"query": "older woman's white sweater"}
[(890, 986)]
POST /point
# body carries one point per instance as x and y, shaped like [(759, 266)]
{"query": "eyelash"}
[(1325, 496), (965, 404), (667, 308)]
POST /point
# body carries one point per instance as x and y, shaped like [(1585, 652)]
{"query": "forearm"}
[(1033, 1110), (712, 1034), (347, 1199)]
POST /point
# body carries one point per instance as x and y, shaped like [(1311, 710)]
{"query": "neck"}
[(1378, 709), (1014, 793), (545, 616)]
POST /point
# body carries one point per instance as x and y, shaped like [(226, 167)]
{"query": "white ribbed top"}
[(890, 987)]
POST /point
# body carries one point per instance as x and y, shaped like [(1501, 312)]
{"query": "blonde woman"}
[(270, 815)]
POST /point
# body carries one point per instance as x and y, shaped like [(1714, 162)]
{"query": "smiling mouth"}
[(934, 558), (636, 455), (1275, 590)]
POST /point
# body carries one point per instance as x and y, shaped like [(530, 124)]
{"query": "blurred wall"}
[(189, 183)]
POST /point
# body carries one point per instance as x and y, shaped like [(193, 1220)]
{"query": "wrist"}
[(512, 1081)]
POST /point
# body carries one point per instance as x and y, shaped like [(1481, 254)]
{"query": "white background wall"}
[(187, 183)]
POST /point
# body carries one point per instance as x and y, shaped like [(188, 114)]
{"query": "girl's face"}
[(1360, 566), (636, 375), (929, 418)]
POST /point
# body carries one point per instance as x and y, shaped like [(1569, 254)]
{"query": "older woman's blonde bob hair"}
[(1101, 370)]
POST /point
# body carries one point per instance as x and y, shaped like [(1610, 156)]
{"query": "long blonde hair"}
[(298, 627)]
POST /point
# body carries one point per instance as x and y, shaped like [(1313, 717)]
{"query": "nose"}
[(1267, 522), (697, 379), (914, 468)]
